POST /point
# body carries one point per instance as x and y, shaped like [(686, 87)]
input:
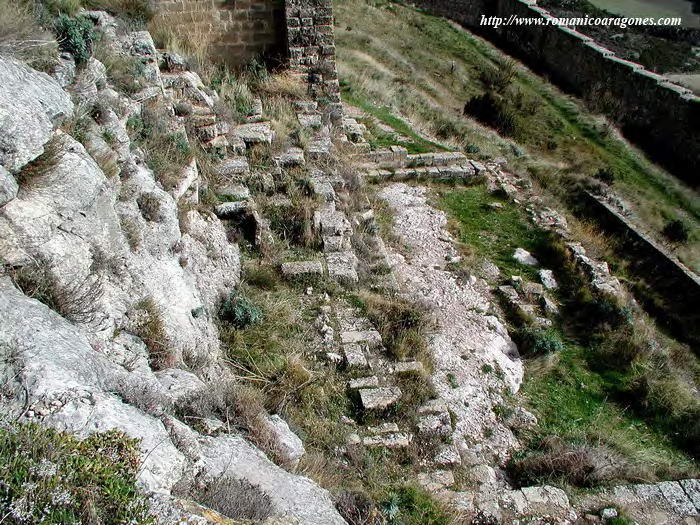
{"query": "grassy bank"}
[(584, 400), (543, 132)]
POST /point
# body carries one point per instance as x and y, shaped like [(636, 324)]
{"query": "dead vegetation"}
[(149, 325), (77, 301)]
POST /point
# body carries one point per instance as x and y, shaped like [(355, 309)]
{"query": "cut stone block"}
[(363, 382), (447, 456), (548, 280), (354, 356), (369, 338), (435, 425), (293, 157), (677, 498), (342, 267), (237, 192), (310, 120), (384, 428), (256, 133), (296, 270), (397, 440), (231, 210), (436, 481), (409, 367), (379, 398), (233, 166), (692, 490), (434, 406)]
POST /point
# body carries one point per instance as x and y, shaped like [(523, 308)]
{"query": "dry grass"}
[(150, 327), (22, 37), (77, 301), (402, 324)]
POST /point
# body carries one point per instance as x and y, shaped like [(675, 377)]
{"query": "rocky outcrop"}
[(30, 104), (136, 273)]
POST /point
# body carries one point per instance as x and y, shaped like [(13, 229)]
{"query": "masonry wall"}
[(674, 286), (238, 30), (662, 118), (311, 50)]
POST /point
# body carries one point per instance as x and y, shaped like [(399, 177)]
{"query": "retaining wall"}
[(674, 290), (661, 117)]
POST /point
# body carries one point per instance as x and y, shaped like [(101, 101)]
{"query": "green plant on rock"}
[(540, 341), (75, 36), (51, 477), (410, 505), (240, 311)]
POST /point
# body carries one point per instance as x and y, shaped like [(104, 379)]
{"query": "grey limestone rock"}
[(31, 103)]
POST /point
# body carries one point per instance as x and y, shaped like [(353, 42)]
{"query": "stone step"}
[(292, 158), (219, 144), (391, 440), (454, 172), (354, 356), (369, 338), (310, 120), (363, 382), (353, 129), (436, 159), (255, 133), (302, 269), (342, 267), (319, 148), (437, 480), (379, 398), (408, 367), (232, 167), (434, 419), (447, 456), (232, 210)]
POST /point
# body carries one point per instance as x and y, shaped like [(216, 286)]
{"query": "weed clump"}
[(534, 340), (55, 478), (677, 231), (240, 311)]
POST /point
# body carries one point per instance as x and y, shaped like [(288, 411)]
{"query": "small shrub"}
[(499, 78), (54, 478), (131, 231), (42, 165), (540, 341), (606, 175), (240, 311), (580, 465), (677, 231), (75, 36), (492, 109), (62, 7), (167, 153), (473, 149), (262, 276), (357, 508), (236, 499)]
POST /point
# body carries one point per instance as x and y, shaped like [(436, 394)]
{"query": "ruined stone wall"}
[(237, 31), (662, 118), (311, 49), (674, 286)]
